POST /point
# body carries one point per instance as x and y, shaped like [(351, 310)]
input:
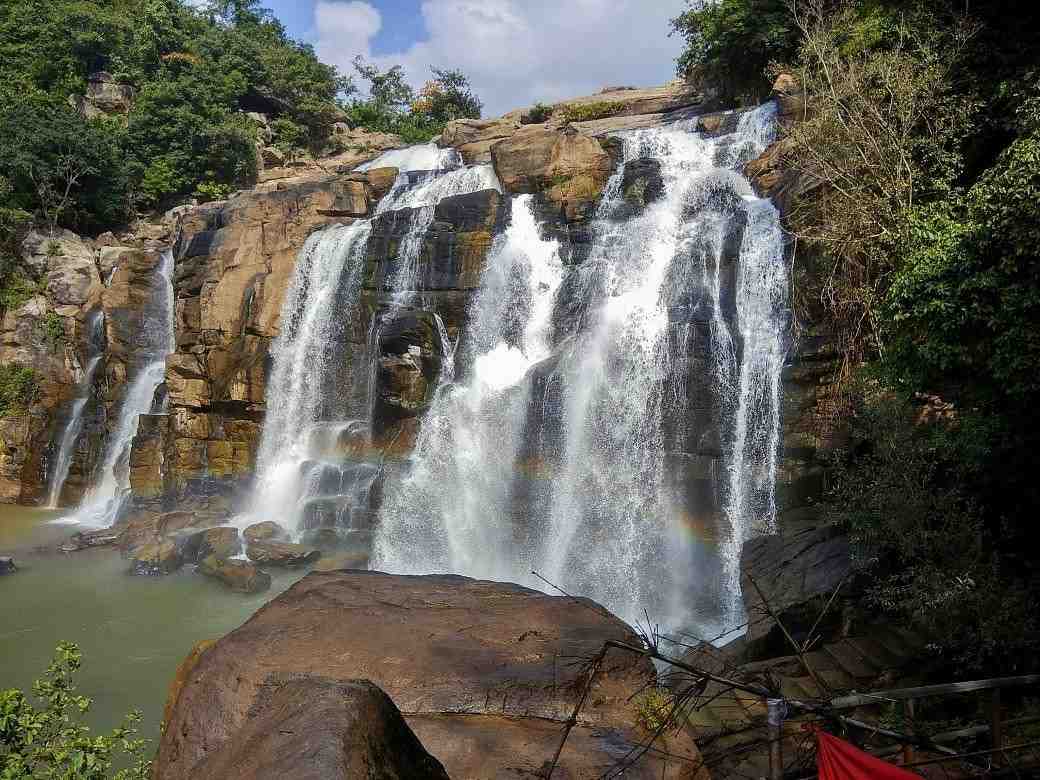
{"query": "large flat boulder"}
[(311, 728), (485, 673)]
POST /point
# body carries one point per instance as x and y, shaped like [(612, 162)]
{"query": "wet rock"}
[(343, 560), (241, 576), (222, 542), (157, 558), (281, 553), (310, 728), (84, 540), (261, 532), (7, 565), (796, 571), (480, 679), (641, 182)]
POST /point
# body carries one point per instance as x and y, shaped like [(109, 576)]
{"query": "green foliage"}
[(193, 74), (654, 710), (586, 112), (539, 113), (18, 388), (908, 490), (50, 741), (393, 107), (53, 328), (16, 290), (730, 43)]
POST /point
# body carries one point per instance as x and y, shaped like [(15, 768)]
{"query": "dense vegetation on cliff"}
[(183, 82), (918, 159)]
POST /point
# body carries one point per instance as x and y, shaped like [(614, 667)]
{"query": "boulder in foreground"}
[(311, 728), (485, 673)]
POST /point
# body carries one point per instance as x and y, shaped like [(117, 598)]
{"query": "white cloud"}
[(345, 30), (518, 52)]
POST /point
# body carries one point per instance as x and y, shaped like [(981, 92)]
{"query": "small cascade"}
[(105, 498), (74, 425), (603, 398), (294, 467)]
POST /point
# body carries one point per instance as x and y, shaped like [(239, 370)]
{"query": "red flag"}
[(838, 760)]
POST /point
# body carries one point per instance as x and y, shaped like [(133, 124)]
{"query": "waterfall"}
[(293, 470), (553, 454), (103, 501), (74, 425), (447, 514)]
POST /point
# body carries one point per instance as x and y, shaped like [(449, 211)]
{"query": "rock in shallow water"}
[(7, 566), (281, 553), (483, 672), (156, 559), (241, 576)]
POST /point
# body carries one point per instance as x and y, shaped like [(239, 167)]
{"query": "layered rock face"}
[(483, 673)]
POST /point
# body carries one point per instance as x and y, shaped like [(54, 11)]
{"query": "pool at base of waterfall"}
[(133, 631)]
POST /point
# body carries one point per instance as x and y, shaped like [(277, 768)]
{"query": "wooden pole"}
[(776, 711), (996, 725), (908, 727)]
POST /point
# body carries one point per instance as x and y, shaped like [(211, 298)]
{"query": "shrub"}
[(53, 328), (16, 291), (586, 112), (538, 114), (18, 389), (51, 742), (907, 489)]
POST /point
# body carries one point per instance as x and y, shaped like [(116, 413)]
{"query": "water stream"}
[(59, 471), (102, 503), (321, 300)]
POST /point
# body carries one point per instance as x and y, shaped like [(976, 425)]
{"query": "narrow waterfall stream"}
[(111, 485), (59, 470), (301, 427), (589, 384)]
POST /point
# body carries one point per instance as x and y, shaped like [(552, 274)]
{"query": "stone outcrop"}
[(48, 334), (281, 553), (481, 679), (238, 575), (311, 728), (104, 97)]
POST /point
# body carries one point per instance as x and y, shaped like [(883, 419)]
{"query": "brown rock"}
[(261, 532), (156, 558), (474, 666), (222, 542), (281, 553), (475, 137), (181, 676), (241, 576), (310, 728), (571, 166), (790, 98)]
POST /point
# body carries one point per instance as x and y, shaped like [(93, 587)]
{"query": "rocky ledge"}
[(485, 674)]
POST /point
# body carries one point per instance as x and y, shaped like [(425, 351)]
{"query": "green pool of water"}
[(133, 631)]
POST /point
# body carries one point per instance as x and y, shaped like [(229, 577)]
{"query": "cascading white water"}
[(448, 513), (301, 353), (74, 425), (601, 516), (325, 287), (102, 502)]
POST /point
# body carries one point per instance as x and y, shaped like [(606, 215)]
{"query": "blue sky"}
[(516, 52)]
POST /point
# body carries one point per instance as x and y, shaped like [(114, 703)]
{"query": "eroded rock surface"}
[(481, 671)]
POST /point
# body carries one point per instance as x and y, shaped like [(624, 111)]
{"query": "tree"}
[(51, 742)]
